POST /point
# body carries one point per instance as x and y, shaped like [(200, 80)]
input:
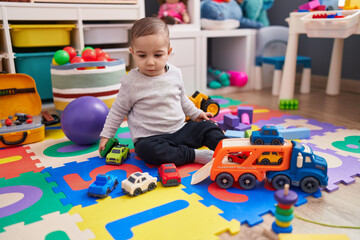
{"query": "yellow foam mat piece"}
[(284, 236), (196, 221)]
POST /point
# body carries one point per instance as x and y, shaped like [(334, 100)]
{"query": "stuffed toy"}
[(256, 10), (228, 14), (173, 11)]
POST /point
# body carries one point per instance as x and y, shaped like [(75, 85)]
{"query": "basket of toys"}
[(85, 77), (331, 24)]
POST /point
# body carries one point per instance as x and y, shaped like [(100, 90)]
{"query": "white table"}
[(339, 29)]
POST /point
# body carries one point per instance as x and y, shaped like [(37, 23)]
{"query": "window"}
[(115, 151)]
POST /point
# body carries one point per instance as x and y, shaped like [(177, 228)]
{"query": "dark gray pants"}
[(179, 147)]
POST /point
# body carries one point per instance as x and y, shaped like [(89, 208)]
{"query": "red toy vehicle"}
[(169, 175), (238, 157)]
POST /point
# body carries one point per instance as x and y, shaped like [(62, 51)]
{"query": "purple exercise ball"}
[(83, 119)]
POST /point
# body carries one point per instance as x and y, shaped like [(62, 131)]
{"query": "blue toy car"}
[(267, 135), (103, 185)]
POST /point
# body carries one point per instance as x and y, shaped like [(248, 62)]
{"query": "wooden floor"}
[(341, 207)]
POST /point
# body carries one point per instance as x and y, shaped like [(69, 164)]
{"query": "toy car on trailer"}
[(138, 183), (299, 166), (103, 185), (267, 135), (238, 157), (169, 175)]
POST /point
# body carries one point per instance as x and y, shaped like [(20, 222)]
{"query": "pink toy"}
[(238, 78), (173, 11), (310, 5)]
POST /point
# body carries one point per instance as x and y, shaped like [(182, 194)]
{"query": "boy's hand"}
[(204, 116), (102, 143)]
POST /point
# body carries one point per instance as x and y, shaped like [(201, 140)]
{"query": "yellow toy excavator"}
[(205, 103)]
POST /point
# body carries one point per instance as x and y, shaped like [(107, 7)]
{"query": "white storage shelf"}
[(77, 14)]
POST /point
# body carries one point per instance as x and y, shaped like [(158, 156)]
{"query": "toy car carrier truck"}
[(299, 166)]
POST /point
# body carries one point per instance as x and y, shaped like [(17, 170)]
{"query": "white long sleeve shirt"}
[(153, 105)]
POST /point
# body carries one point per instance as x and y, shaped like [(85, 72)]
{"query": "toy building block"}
[(289, 104), (221, 114), (310, 5), (280, 127), (248, 133), (231, 120), (49, 119), (245, 114), (295, 133), (109, 145), (242, 127), (320, 8), (352, 4), (235, 134)]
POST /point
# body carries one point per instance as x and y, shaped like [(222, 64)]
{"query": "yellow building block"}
[(351, 4)]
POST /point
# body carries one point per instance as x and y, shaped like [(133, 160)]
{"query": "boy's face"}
[(151, 54)]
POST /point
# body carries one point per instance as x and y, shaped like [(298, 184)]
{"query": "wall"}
[(319, 49)]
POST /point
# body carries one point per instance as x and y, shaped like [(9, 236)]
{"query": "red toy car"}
[(169, 175), (238, 157)]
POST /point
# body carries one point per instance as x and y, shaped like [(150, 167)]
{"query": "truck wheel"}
[(210, 106), (259, 141), (247, 181), (280, 161), (137, 192), (279, 181), (309, 184), (151, 186), (224, 180), (116, 183), (265, 161), (276, 141), (108, 191)]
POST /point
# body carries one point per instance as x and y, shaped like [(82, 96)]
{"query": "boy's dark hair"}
[(148, 26)]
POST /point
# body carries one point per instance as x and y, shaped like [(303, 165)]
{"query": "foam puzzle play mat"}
[(44, 186)]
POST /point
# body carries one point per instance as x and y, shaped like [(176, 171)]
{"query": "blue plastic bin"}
[(37, 65)]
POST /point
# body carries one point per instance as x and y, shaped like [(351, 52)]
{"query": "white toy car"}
[(138, 183)]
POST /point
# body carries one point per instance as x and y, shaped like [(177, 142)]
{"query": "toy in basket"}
[(20, 122), (101, 80)]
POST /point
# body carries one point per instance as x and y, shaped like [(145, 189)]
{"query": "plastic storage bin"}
[(331, 27), (123, 53), (106, 33), (40, 35), (37, 65)]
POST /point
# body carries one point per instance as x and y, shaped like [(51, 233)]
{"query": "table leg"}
[(289, 69), (333, 84)]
